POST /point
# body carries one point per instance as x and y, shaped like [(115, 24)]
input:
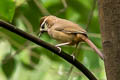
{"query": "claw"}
[(59, 49), (73, 56)]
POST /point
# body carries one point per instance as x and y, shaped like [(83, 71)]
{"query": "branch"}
[(90, 16), (50, 47)]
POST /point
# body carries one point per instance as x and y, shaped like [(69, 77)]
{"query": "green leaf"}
[(8, 66), (35, 58), (7, 9), (27, 66)]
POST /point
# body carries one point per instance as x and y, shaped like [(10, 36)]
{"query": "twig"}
[(62, 10), (91, 14), (70, 72), (75, 54), (13, 42), (94, 35), (50, 47), (64, 3), (27, 23), (41, 8)]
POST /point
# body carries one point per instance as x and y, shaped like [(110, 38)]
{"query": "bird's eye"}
[(43, 26)]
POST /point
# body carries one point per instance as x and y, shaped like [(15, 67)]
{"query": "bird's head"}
[(47, 22)]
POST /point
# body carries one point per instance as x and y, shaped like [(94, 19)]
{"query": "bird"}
[(66, 32)]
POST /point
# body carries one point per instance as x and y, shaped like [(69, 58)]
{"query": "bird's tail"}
[(92, 45)]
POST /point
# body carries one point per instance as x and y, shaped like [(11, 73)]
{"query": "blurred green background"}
[(24, 60)]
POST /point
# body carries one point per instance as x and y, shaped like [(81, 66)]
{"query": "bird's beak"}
[(43, 29)]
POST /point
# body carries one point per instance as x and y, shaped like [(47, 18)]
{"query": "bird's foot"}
[(59, 49), (73, 56)]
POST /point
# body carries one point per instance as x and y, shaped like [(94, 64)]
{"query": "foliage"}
[(27, 61)]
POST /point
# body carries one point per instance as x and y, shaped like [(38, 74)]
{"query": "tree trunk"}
[(109, 13)]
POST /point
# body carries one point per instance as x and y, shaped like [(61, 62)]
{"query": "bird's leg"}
[(74, 52), (62, 44)]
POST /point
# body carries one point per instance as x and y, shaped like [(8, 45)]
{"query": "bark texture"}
[(109, 12)]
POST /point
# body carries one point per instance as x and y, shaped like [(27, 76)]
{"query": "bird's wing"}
[(71, 29)]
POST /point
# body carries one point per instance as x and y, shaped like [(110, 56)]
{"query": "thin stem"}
[(90, 16), (41, 8)]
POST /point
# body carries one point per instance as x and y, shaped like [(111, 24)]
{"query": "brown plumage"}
[(66, 31)]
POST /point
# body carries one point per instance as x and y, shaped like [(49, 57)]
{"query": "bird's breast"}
[(61, 36)]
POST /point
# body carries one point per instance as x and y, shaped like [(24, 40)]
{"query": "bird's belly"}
[(61, 36)]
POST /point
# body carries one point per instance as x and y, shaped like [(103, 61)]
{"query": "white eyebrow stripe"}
[(44, 21)]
